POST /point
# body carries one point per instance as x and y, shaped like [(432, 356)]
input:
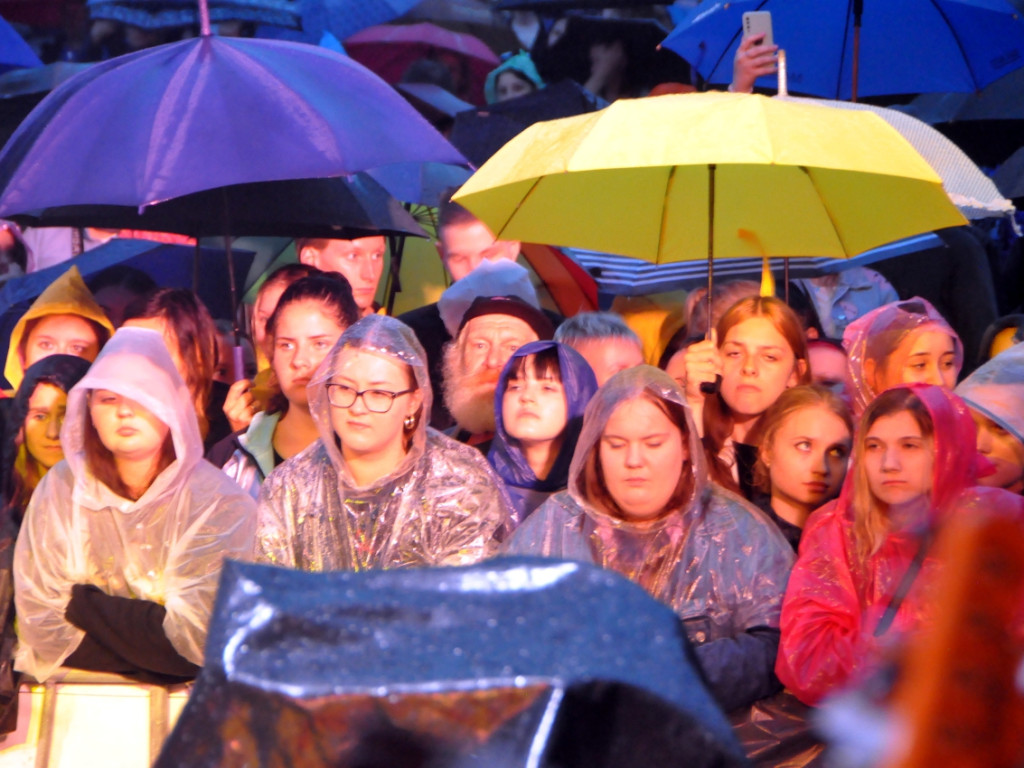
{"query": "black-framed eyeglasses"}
[(375, 400)]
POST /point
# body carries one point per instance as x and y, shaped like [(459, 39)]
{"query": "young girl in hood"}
[(995, 395), (805, 447), (542, 392), (639, 502), (759, 349), (379, 489), (865, 572), (310, 316), (32, 445), (904, 342), (117, 562)]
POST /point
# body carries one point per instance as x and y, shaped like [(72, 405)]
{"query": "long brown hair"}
[(717, 416), (195, 336), (595, 487), (870, 522), (100, 461)]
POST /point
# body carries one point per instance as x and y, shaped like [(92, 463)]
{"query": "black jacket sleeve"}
[(126, 629), (741, 669)]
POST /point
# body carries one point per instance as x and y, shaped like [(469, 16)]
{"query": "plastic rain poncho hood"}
[(442, 504), (167, 547), (717, 561), (876, 335), (506, 456), (67, 295), (996, 390), (834, 600)]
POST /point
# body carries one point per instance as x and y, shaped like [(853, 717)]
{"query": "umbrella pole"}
[(237, 358), (858, 11), (711, 387), (204, 18), (785, 275), (397, 246)]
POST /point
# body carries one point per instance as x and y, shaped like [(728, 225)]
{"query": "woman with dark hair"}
[(118, 286), (539, 402), (639, 502), (379, 489), (309, 318), (118, 559), (32, 445), (184, 322), (866, 572)]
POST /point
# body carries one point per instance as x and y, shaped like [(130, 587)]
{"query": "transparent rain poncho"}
[(835, 601), (167, 547), (996, 390), (717, 561), (442, 505), (876, 336)]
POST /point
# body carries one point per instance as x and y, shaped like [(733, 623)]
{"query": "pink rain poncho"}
[(876, 335), (834, 602), (442, 505), (167, 547), (716, 561)]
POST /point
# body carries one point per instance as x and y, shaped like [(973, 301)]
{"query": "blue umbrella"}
[(841, 50), (14, 51), (206, 113), (167, 14)]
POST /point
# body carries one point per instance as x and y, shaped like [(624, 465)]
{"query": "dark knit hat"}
[(514, 307)]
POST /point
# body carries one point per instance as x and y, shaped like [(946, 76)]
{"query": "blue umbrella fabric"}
[(512, 662), (205, 113), (14, 51), (167, 14), (906, 46)]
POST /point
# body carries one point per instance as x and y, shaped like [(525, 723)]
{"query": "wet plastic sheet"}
[(513, 662)]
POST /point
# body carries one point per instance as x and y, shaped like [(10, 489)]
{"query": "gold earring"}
[(410, 422)]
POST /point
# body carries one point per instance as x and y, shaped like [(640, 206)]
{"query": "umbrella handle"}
[(711, 387)]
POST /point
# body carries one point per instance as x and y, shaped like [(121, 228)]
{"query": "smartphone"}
[(756, 22)]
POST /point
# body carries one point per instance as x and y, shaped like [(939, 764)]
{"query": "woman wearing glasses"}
[(379, 489)]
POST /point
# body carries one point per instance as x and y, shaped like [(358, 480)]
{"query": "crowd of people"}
[(786, 521), (774, 471)]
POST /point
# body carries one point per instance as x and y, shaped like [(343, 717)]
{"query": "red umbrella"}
[(389, 49)]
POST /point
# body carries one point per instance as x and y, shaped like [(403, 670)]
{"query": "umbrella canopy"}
[(389, 49), (205, 113), (727, 175), (557, 6), (342, 207), (970, 189), (1009, 176), (14, 51), (967, 44), (343, 18)]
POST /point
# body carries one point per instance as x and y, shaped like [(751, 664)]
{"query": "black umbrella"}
[(513, 662)]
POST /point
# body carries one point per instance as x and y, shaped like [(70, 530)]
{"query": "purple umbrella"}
[(205, 113)]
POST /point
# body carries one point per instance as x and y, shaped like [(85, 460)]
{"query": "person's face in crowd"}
[(45, 415), (60, 334), (898, 460), (225, 371), (128, 430), (1002, 449), (926, 356), (305, 333), (830, 368), (465, 244), (360, 261), (642, 454), (676, 368), (363, 433), (114, 299), (511, 85), (609, 356), (534, 408), (266, 301), (807, 458), (473, 364), (162, 327), (758, 365)]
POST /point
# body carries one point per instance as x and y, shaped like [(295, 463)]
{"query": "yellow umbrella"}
[(722, 175)]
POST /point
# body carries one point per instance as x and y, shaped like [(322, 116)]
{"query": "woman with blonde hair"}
[(806, 437)]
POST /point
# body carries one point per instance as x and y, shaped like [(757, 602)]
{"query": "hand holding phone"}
[(755, 56), (758, 23)]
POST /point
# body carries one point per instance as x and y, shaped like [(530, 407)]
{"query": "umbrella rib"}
[(669, 183), (519, 204), (959, 46), (824, 205)]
